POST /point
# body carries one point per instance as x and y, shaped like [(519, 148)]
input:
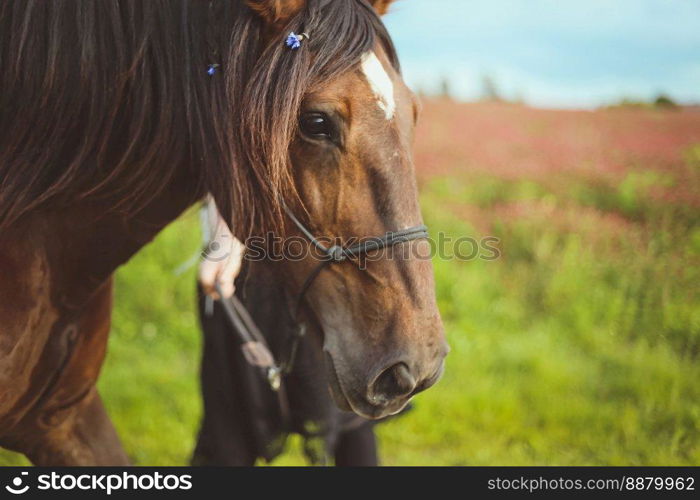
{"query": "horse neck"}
[(85, 243)]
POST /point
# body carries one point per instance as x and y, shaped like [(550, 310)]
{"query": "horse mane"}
[(111, 100)]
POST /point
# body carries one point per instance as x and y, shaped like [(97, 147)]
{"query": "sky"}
[(563, 54)]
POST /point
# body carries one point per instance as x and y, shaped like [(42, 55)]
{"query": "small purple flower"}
[(212, 69), (293, 41)]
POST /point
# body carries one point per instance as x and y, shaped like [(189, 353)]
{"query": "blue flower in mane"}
[(212, 69), (293, 41)]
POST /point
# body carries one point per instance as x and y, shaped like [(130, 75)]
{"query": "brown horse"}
[(115, 116)]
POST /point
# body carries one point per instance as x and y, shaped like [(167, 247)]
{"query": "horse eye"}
[(316, 126)]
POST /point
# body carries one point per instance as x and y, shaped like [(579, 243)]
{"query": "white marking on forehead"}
[(381, 83)]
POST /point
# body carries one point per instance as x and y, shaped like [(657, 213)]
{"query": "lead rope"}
[(253, 344), (255, 350)]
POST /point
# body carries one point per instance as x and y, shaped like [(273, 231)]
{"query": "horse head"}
[(353, 172)]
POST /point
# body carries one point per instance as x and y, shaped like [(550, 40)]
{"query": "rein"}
[(254, 347)]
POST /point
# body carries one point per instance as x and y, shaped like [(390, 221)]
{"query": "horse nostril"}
[(445, 349), (393, 383)]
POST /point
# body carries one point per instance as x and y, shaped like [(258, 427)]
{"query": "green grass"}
[(579, 346), (575, 348)]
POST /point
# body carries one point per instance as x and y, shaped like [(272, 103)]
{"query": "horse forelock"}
[(111, 100)]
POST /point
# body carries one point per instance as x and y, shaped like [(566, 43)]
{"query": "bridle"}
[(254, 347), (337, 254)]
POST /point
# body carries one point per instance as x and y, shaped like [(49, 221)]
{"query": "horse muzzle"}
[(387, 392)]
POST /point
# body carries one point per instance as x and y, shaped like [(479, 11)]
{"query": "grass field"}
[(580, 345)]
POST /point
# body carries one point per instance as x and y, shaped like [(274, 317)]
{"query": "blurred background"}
[(548, 53), (568, 130)]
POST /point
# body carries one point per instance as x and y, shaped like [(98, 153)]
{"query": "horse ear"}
[(381, 6), (276, 12)]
